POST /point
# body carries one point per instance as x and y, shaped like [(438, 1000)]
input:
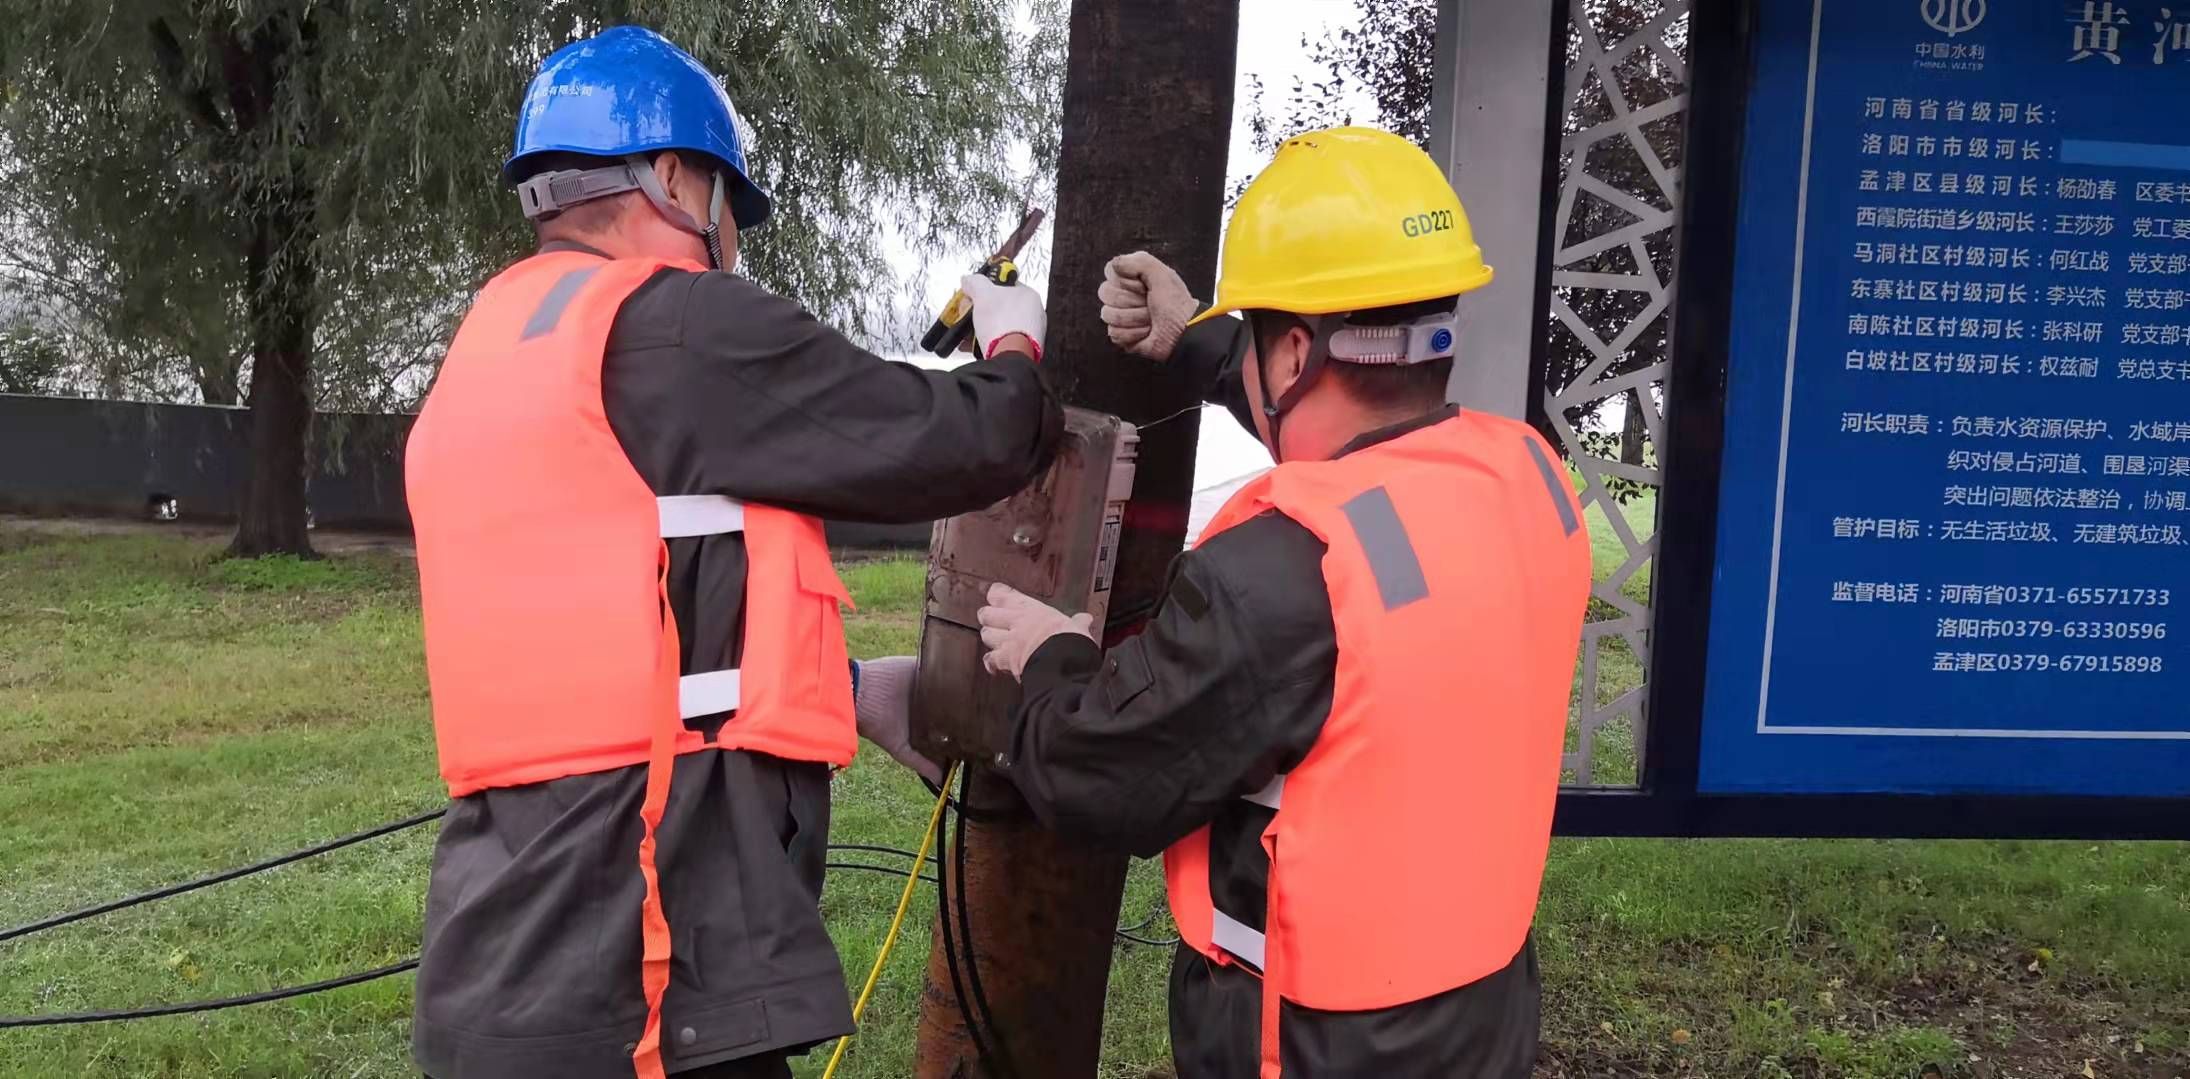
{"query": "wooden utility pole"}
[(1147, 124)]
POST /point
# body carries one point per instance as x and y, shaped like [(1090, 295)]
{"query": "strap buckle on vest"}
[(1236, 937), (700, 515), (707, 694), (1271, 796)]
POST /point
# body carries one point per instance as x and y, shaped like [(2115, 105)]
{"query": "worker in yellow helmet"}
[(1343, 727)]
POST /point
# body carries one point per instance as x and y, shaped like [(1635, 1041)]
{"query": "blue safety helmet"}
[(628, 93)]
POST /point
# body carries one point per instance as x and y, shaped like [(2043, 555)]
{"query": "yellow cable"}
[(897, 922)]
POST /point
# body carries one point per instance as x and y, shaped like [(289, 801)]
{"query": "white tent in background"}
[(1209, 500)]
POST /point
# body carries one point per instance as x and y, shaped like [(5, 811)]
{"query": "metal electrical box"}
[(1056, 541)]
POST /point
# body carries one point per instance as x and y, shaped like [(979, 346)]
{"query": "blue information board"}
[(1953, 549)]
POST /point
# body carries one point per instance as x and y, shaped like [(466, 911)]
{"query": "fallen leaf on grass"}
[(1682, 1037), (185, 966), (2088, 1073)]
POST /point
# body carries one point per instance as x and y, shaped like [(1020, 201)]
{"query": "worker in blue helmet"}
[(619, 383), (626, 96)]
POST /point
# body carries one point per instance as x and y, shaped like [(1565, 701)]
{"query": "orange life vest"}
[(542, 562), (1408, 846)]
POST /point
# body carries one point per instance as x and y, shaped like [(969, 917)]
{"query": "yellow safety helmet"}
[(1347, 219)]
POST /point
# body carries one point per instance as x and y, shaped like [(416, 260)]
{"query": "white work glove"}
[(1002, 310), (1014, 626), (1145, 305), (884, 710)]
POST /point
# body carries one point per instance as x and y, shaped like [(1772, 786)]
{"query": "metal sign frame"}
[(1666, 801)]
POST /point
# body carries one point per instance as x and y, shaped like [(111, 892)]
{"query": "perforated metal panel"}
[(1612, 250)]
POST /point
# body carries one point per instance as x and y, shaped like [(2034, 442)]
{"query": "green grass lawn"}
[(163, 714)]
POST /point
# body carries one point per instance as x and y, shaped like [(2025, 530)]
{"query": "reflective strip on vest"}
[(1271, 796), (708, 693), (700, 515), (1383, 537), (1237, 937), (1560, 494), (549, 314)]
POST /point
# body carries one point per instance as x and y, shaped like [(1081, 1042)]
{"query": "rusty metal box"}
[(1056, 541)]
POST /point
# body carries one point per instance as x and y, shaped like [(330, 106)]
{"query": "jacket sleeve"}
[(741, 392), (1212, 354), (1228, 686)]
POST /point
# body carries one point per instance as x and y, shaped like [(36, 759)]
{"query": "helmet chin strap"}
[(642, 170), (1319, 353), (713, 235)]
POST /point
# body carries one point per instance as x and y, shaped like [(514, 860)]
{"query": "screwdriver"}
[(951, 328)]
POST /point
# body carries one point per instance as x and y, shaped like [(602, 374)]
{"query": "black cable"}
[(67, 1018), (1126, 932), (59, 920), (891, 870), (224, 877), (1131, 939), (965, 930), (969, 1002), (984, 816), (906, 854), (950, 953)]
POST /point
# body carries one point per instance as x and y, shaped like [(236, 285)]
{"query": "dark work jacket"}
[(1228, 686), (531, 964)]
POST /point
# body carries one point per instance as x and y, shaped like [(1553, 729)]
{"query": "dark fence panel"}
[(66, 455)]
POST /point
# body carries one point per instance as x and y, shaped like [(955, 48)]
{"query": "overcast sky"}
[(1269, 46)]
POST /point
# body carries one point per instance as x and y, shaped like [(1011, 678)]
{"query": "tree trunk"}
[(217, 383), (1148, 118), (1634, 431), (282, 278)]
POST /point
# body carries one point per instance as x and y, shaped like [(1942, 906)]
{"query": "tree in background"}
[(138, 330), (30, 361), (299, 196), (1382, 58)]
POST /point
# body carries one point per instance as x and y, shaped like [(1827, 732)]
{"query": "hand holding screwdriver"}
[(1004, 307)]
